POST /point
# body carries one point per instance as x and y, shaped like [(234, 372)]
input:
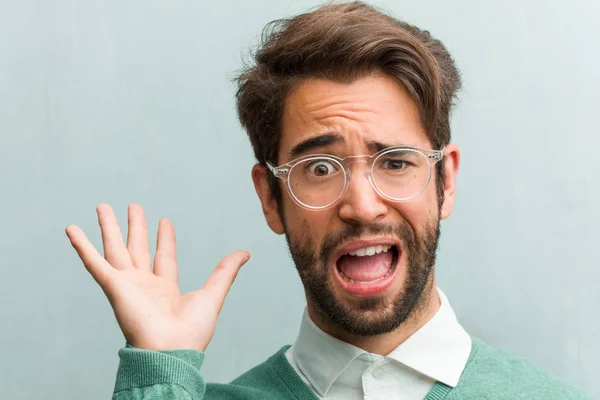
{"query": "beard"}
[(367, 316)]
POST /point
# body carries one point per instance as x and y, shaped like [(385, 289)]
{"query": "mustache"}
[(403, 231)]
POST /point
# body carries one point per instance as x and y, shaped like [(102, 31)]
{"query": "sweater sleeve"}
[(165, 375)]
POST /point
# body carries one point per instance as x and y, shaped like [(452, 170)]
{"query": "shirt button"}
[(378, 373)]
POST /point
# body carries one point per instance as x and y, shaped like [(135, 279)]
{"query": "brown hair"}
[(344, 42)]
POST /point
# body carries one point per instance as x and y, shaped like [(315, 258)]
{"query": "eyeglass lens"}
[(398, 174)]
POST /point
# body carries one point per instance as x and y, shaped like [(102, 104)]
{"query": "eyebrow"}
[(376, 146), (329, 139), (314, 143)]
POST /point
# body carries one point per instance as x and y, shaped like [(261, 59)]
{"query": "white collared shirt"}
[(336, 370)]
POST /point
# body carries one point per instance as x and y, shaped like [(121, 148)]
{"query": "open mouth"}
[(369, 269)]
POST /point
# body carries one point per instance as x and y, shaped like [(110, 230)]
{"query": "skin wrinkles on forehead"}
[(350, 115)]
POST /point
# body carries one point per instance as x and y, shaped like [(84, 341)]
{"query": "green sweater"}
[(175, 374)]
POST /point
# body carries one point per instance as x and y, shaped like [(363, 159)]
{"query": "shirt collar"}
[(439, 349), (320, 357)]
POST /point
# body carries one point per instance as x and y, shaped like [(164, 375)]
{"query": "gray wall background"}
[(121, 102)]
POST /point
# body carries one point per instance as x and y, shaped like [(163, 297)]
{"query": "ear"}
[(267, 200), (451, 164)]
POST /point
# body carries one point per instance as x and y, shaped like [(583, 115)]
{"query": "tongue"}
[(365, 269)]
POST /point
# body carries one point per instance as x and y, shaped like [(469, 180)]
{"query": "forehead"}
[(371, 109)]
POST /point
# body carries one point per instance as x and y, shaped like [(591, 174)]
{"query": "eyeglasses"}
[(318, 181)]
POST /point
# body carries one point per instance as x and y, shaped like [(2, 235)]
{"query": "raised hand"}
[(150, 309)]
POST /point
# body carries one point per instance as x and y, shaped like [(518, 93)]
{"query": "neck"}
[(384, 344)]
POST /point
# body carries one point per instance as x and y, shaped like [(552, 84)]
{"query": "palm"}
[(150, 309), (153, 310)]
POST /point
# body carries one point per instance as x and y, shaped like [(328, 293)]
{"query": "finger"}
[(93, 261), (220, 281), (165, 261), (137, 237), (115, 251)]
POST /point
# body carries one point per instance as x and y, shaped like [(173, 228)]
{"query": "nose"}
[(361, 204)]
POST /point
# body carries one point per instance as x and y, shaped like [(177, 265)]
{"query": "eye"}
[(321, 168), (394, 164)]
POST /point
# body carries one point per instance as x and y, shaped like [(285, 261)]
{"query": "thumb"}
[(222, 278)]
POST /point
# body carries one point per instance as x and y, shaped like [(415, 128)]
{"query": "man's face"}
[(364, 295)]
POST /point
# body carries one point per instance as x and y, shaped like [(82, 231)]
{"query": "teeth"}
[(369, 251)]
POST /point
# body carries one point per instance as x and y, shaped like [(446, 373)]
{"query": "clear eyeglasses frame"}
[(395, 185)]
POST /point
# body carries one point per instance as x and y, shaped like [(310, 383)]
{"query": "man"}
[(348, 113)]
